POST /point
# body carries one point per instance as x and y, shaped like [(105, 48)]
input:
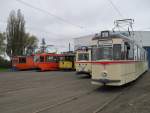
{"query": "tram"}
[(117, 59), (67, 61), (23, 62), (48, 61), (83, 60)]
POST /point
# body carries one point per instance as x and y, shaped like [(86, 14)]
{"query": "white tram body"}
[(83, 61), (117, 60)]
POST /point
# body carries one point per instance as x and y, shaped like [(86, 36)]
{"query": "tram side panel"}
[(118, 74), (65, 65)]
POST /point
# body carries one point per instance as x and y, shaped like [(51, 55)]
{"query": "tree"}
[(31, 43), (2, 43), (15, 33)]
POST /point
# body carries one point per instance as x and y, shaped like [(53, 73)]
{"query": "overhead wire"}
[(49, 13), (115, 8), (43, 31)]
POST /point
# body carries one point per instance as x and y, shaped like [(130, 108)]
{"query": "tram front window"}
[(83, 56), (102, 53)]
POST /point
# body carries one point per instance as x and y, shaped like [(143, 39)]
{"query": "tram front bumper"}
[(105, 81)]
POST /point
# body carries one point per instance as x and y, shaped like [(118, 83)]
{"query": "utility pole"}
[(69, 46)]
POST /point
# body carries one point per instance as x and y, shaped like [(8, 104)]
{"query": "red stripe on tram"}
[(110, 62), (114, 62)]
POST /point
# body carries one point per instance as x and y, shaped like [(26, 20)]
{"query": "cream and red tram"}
[(83, 60), (117, 60)]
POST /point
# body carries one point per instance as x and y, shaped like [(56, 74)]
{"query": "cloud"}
[(91, 15)]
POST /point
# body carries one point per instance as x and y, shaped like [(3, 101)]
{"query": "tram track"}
[(52, 90), (107, 103), (65, 101), (54, 85), (109, 94), (72, 81), (77, 97)]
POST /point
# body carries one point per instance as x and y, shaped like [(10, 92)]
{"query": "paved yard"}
[(65, 92)]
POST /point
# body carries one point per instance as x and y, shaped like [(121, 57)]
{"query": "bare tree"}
[(2, 43), (15, 33)]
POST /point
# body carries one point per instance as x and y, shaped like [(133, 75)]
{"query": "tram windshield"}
[(107, 52), (102, 53), (83, 56)]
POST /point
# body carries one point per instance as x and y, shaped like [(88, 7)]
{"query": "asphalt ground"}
[(65, 92)]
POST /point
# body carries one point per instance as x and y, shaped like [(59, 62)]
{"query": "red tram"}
[(23, 62), (47, 61)]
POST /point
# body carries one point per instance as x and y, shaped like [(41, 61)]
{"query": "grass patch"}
[(3, 69)]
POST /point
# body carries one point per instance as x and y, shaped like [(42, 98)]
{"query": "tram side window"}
[(36, 58), (49, 59), (94, 53), (15, 60), (145, 55), (41, 58), (62, 58), (142, 54), (56, 59), (22, 60), (139, 54), (131, 52), (69, 58), (135, 52), (117, 51)]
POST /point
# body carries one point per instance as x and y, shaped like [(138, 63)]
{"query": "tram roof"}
[(50, 54), (111, 36)]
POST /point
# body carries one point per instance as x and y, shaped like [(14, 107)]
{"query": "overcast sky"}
[(67, 19)]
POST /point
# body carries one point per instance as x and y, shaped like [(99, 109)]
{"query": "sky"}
[(59, 21)]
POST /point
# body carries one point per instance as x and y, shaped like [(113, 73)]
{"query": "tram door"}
[(148, 54)]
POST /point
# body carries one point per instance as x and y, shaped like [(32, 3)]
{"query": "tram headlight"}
[(104, 74)]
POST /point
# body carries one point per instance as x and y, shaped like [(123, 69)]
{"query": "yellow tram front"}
[(117, 60), (83, 60), (67, 62)]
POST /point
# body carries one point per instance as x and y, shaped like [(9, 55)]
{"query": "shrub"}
[(4, 63)]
